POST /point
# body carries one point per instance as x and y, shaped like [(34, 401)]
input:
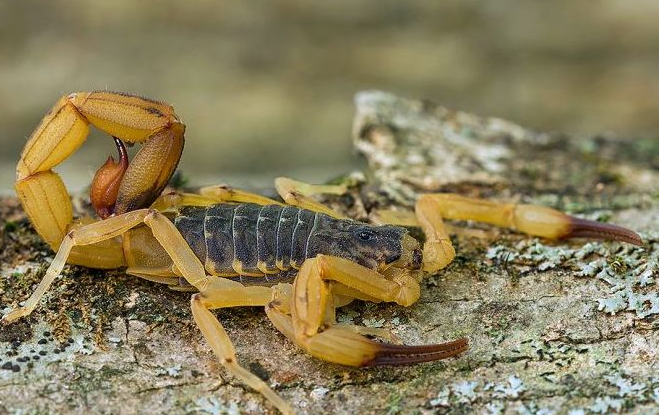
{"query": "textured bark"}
[(555, 327)]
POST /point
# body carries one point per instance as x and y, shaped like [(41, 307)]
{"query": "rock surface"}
[(555, 327)]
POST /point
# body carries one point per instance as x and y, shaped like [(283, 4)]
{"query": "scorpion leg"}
[(224, 193), (221, 294), (214, 293), (209, 196), (171, 200), (177, 249), (85, 235), (299, 194), (394, 217), (311, 292), (293, 192), (163, 230)]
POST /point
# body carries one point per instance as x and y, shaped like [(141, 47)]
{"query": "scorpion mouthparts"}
[(583, 228), (397, 355), (105, 186)]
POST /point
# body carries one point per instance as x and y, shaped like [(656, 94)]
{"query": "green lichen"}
[(629, 271), (214, 406), (10, 226)]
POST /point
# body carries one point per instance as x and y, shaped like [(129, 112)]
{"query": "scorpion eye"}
[(365, 234)]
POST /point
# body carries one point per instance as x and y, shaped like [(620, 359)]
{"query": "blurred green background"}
[(266, 86)]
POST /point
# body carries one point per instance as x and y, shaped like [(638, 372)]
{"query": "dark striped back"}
[(247, 239)]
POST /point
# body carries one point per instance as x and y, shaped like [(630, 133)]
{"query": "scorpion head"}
[(375, 247)]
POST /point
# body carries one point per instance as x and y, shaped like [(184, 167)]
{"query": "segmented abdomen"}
[(248, 239)]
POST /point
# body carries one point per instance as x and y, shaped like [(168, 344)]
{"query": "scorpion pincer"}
[(297, 258)]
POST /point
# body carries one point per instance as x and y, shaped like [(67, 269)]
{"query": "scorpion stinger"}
[(64, 129), (105, 186)]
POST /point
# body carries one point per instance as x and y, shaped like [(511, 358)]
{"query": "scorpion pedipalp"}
[(397, 355)]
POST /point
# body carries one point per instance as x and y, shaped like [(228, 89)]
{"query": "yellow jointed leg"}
[(224, 293), (86, 235), (215, 292), (210, 195), (175, 199), (161, 275), (178, 250), (530, 219), (224, 193), (107, 254), (299, 194), (394, 217), (163, 230)]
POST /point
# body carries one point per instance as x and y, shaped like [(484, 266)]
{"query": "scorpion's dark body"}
[(272, 241)]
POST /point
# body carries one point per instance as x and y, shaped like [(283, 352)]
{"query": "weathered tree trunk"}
[(566, 327)]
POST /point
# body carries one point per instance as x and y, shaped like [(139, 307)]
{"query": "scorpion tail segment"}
[(61, 132), (65, 128), (105, 186), (583, 228), (150, 170), (41, 191), (46, 202), (131, 118), (396, 355)]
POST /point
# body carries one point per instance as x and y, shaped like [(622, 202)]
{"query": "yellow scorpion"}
[(296, 257)]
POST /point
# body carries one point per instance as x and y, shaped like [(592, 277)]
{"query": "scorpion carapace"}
[(220, 238), (253, 240)]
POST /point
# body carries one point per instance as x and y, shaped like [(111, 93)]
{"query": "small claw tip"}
[(396, 355), (584, 228)]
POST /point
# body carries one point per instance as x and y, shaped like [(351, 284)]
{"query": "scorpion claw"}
[(397, 355), (584, 228)]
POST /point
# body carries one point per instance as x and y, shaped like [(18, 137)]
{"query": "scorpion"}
[(297, 258)]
